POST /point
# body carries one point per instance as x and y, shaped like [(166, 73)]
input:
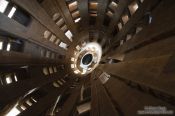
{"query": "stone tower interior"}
[(87, 57)]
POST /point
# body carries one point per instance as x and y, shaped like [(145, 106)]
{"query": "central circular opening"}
[(87, 59)]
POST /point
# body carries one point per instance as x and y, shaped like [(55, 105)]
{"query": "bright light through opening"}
[(72, 59), (13, 112), (33, 99), (87, 58), (8, 47), (3, 5), (10, 15), (29, 103), (8, 80), (69, 35), (63, 45), (16, 78), (1, 45), (72, 66), (77, 20), (135, 7)]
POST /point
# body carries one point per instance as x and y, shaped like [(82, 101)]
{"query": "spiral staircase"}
[(87, 57)]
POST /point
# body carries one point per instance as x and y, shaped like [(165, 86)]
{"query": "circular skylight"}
[(86, 58)]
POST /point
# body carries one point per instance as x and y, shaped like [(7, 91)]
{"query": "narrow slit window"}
[(63, 80), (8, 46), (33, 99), (3, 5), (113, 5), (109, 13), (1, 45), (55, 84), (64, 28), (133, 7), (72, 59), (63, 45), (23, 107), (29, 102), (16, 79), (56, 16), (69, 35), (55, 69), (73, 6), (125, 19), (121, 42), (59, 82), (60, 22), (128, 37), (119, 25), (72, 66), (76, 71), (76, 14), (77, 20), (45, 71), (47, 34), (57, 41), (52, 38), (13, 112), (8, 79), (93, 5), (47, 54), (50, 70), (12, 12), (138, 29)]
